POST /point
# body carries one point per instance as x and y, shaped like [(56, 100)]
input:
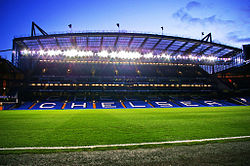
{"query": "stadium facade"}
[(119, 67)]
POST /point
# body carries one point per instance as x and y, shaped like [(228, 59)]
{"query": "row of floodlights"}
[(121, 55), (120, 85)]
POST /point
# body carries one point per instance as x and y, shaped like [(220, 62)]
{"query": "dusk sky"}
[(227, 20)]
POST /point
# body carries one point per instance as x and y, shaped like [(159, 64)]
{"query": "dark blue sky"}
[(228, 20)]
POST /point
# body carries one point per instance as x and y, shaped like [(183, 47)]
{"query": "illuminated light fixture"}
[(211, 58), (203, 58), (25, 52), (58, 52), (103, 53), (32, 52), (51, 52), (148, 55), (179, 57), (41, 52), (224, 59), (86, 53), (124, 55), (70, 53), (166, 56)]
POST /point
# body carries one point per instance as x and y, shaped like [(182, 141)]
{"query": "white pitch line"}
[(121, 145)]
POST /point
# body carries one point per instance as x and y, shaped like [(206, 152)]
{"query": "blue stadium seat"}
[(25, 106), (47, 105), (137, 104), (244, 100), (188, 103), (79, 105), (108, 104), (211, 103), (226, 103), (216, 103), (163, 104), (7, 106)]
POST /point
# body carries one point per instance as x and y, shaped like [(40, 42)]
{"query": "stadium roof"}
[(144, 43)]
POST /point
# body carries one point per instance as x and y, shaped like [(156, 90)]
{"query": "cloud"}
[(243, 40), (246, 14), (246, 9), (183, 15), (236, 37), (193, 4)]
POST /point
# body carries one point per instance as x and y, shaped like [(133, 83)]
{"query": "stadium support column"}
[(14, 54)]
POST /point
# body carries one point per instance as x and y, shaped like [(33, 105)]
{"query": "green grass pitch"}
[(26, 128)]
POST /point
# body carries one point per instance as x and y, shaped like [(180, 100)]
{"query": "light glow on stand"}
[(121, 55)]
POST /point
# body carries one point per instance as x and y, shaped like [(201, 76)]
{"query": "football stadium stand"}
[(237, 78), (126, 70), (11, 79)]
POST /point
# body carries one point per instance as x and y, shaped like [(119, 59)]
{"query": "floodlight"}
[(166, 56), (25, 52), (70, 53), (211, 58), (41, 52), (58, 52), (148, 55), (51, 52), (103, 53)]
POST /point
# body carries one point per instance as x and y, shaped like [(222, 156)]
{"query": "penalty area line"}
[(121, 145)]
